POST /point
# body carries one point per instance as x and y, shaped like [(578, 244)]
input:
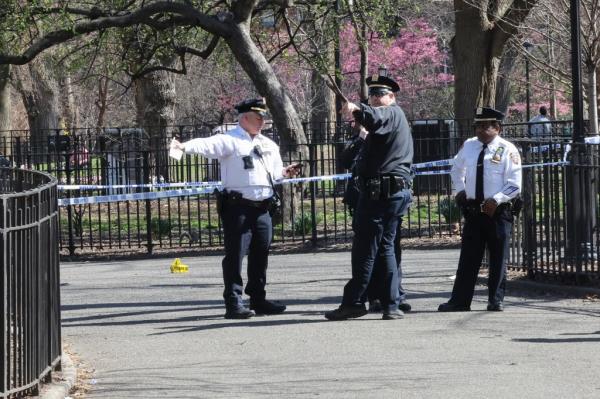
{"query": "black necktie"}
[(479, 177)]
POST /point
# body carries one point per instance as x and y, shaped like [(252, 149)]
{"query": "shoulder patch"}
[(515, 158)]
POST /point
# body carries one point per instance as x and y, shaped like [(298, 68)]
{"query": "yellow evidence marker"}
[(178, 267)]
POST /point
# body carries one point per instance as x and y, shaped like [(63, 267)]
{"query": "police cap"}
[(486, 114), (379, 84), (252, 105)]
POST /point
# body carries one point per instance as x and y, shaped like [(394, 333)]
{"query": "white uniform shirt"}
[(230, 148), (501, 169)]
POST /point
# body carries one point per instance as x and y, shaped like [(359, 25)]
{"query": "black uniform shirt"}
[(388, 149)]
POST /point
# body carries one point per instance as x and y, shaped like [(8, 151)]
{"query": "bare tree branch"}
[(188, 16)]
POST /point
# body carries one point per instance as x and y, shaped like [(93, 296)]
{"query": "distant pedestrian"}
[(540, 125), (486, 179)]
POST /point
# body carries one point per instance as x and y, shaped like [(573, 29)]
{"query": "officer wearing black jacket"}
[(347, 159), (383, 173)]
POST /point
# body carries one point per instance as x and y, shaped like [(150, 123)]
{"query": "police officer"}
[(348, 158), (250, 162), (383, 172), (486, 179)]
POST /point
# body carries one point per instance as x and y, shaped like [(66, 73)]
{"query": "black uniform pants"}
[(375, 224), (248, 231), (375, 287), (481, 230)]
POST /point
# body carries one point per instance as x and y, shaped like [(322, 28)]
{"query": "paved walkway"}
[(152, 334)]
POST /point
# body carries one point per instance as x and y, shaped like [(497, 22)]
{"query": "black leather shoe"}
[(345, 312), (393, 315), (267, 307), (239, 313), (375, 306), (450, 307), (495, 307), (404, 306)]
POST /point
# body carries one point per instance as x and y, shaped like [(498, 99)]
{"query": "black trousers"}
[(375, 287), (247, 231), (481, 230), (375, 224)]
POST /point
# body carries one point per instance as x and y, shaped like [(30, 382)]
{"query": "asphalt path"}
[(148, 333)]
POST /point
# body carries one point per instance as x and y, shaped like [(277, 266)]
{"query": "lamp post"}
[(528, 46)]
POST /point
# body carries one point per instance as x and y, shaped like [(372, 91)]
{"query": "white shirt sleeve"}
[(215, 147), (458, 172), (512, 177), (277, 166)]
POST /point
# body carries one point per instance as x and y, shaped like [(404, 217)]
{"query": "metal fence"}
[(134, 156), (30, 339)]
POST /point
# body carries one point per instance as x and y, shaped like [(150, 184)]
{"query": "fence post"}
[(146, 172), (529, 241), (312, 161), (69, 207)]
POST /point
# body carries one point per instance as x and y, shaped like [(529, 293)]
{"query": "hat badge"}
[(375, 78)]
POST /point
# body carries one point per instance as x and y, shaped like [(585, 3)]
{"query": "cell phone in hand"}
[(297, 165)]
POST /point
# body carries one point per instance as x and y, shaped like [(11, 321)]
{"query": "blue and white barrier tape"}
[(136, 196), (85, 187), (209, 187)]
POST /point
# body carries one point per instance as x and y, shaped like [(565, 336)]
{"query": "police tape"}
[(86, 187), (153, 195), (210, 187), (93, 187)]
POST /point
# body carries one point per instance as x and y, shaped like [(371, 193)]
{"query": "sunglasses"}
[(377, 94)]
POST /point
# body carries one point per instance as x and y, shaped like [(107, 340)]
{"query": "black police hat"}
[(486, 114), (252, 105), (379, 84)]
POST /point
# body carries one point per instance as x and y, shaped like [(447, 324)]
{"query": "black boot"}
[(345, 312), (450, 307), (239, 312), (265, 307)]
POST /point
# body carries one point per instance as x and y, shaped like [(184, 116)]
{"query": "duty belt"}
[(236, 198), (382, 187), (474, 207)]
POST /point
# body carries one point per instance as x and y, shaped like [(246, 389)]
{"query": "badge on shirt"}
[(497, 157)]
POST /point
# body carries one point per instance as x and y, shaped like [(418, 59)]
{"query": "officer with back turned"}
[(486, 180), (383, 173), (250, 162)]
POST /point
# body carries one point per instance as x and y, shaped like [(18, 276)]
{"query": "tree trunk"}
[(477, 48), (39, 91), (293, 143), (155, 110), (592, 101), (322, 113), (5, 124), (503, 85), (102, 101), (70, 111)]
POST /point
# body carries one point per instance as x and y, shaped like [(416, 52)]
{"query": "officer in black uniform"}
[(383, 173), (347, 159), (486, 180), (250, 162)]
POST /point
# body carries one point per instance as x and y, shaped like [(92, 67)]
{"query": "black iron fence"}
[(30, 339), (134, 156)]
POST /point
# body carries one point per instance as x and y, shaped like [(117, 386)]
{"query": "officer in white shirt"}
[(486, 179), (250, 163)]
